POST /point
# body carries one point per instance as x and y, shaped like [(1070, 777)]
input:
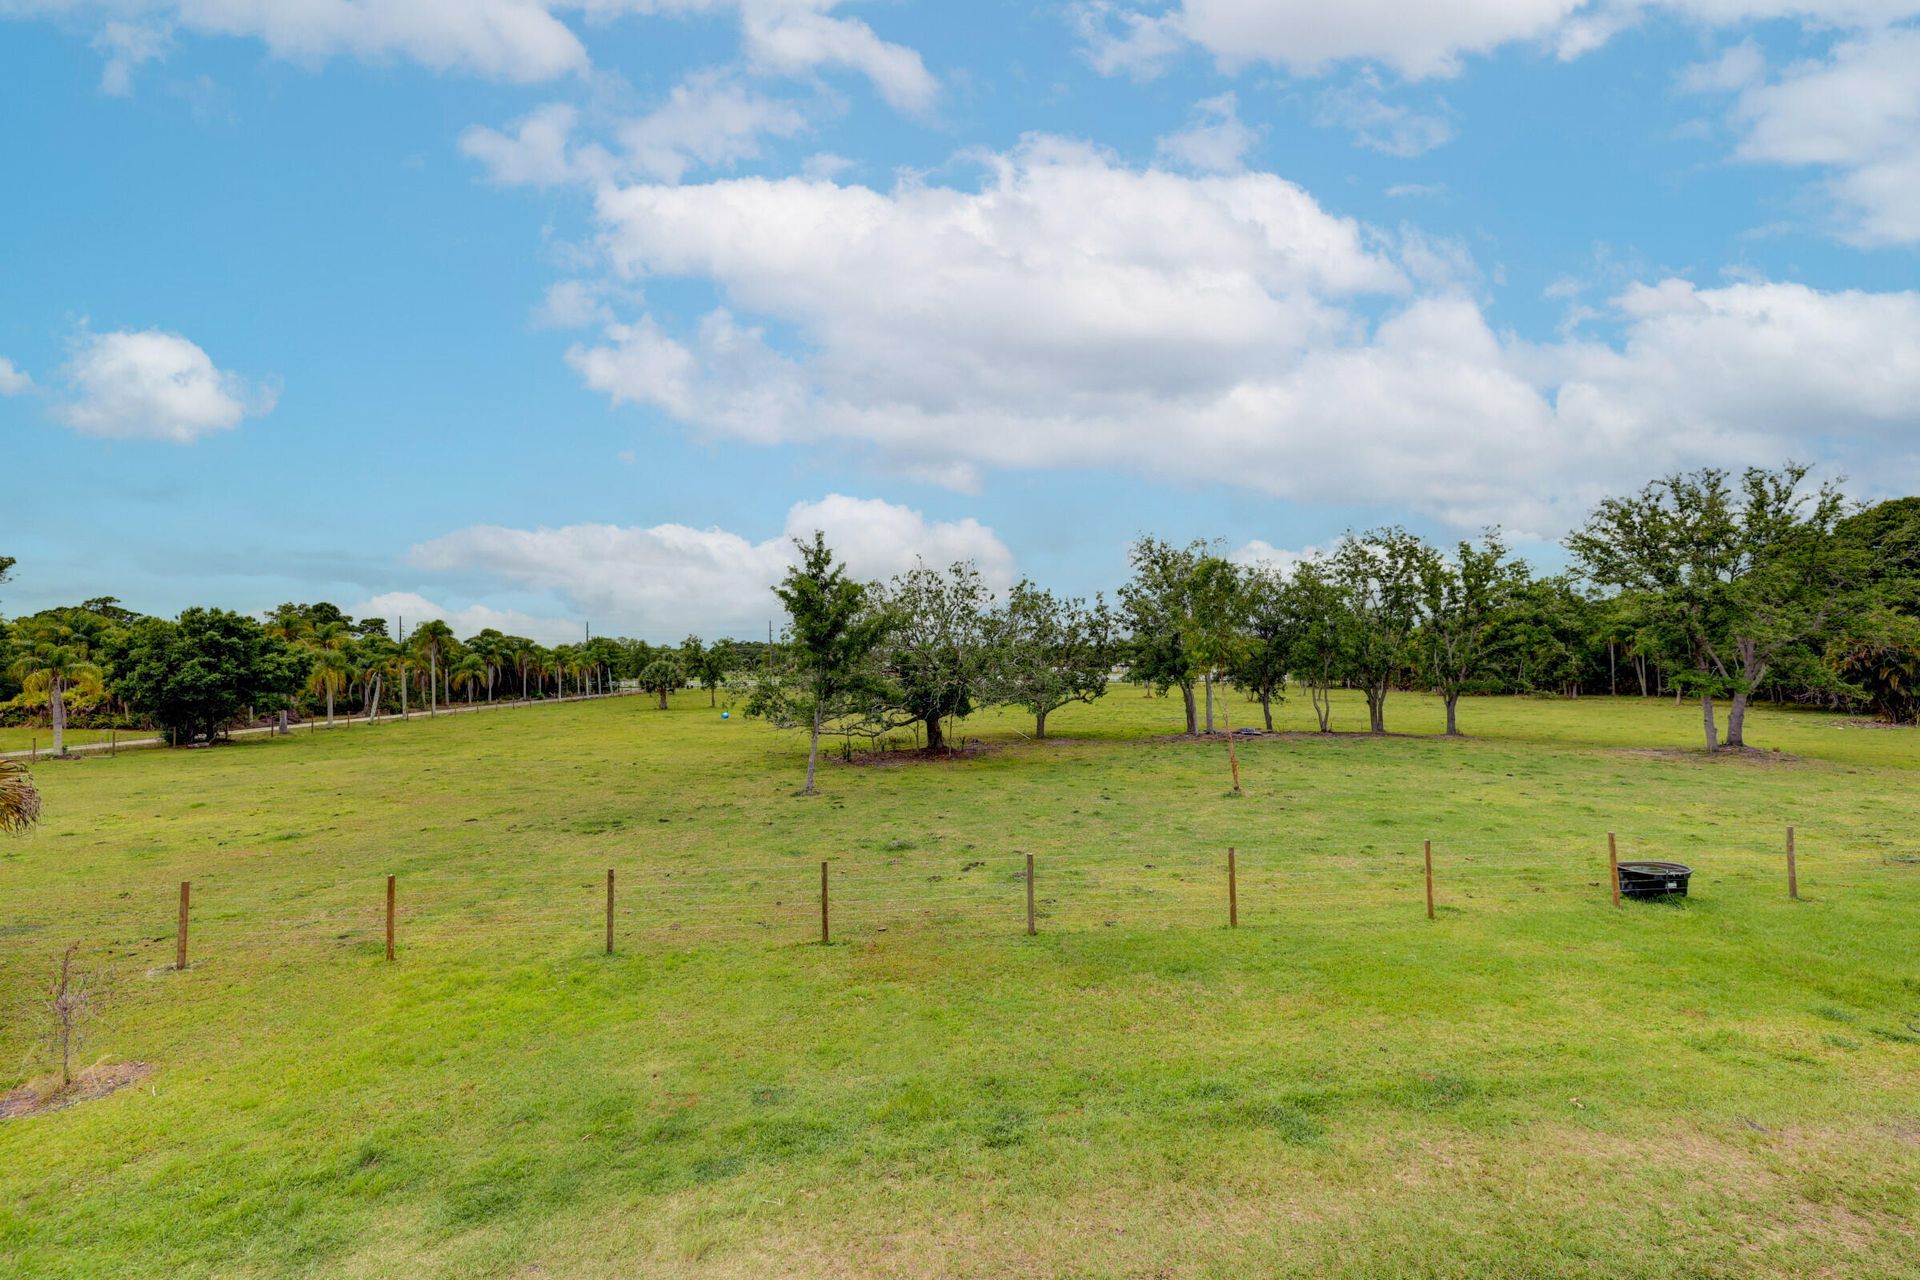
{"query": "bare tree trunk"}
[(1039, 724), (1186, 695), (813, 750), (1233, 754), (1266, 709), (1209, 684), (1376, 709), (1322, 696), (936, 735), (57, 713), (1613, 676), (1453, 720), (1706, 713), (1640, 669), (329, 706), (1752, 672)]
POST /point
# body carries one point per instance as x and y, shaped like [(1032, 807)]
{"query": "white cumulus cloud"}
[(1216, 142), (13, 380), (711, 120), (153, 385), (663, 581), (1416, 40), (518, 40), (1069, 312), (800, 37), (1855, 114)]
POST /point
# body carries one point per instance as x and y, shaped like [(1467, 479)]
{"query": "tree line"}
[(1700, 584), (199, 675), (1704, 584)]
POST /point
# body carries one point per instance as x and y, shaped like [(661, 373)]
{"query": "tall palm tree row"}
[(63, 663)]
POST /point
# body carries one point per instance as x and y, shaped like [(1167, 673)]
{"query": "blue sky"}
[(535, 314)]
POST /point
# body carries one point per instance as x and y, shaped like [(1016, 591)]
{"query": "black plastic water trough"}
[(1654, 879)]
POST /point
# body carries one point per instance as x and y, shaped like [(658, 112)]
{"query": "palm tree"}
[(19, 801), (288, 623), (525, 658), (469, 671), (332, 667), (433, 641), (53, 664)]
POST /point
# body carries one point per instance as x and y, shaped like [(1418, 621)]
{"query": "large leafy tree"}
[(1465, 598), (1735, 575), (1381, 577), (1053, 650), (1158, 605), (1216, 636), (939, 656), (834, 628), (1273, 623), (196, 675), (1324, 628), (708, 664)]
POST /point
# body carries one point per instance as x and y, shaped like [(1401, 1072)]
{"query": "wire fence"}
[(802, 899)]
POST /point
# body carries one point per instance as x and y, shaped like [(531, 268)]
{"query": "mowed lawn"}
[(1532, 1084), (29, 737)]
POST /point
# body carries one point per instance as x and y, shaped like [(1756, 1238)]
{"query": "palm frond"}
[(19, 798)]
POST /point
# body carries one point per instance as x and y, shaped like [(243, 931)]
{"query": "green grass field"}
[(1533, 1084), (26, 737)]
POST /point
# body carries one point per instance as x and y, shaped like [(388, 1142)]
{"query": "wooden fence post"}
[(113, 742), (823, 905), (1613, 867), (609, 910), (33, 749), (389, 917), (1429, 858), (1030, 928), (1233, 892), (1793, 870), (180, 933)]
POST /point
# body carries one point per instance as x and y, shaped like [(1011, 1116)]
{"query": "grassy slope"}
[(1532, 1085)]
